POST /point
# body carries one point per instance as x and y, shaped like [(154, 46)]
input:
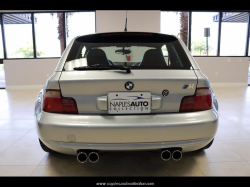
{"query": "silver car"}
[(125, 91)]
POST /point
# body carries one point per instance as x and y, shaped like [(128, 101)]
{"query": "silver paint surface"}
[(86, 86), (94, 128), (71, 148), (128, 128)]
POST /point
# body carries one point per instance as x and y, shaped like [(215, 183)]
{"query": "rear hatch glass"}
[(134, 50)]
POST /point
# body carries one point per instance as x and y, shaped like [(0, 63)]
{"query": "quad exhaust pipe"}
[(177, 155), (93, 157), (167, 154), (83, 156)]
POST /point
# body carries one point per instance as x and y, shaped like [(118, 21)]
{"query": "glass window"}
[(249, 50), (83, 51), (47, 35), (164, 50), (2, 76), (204, 34), (18, 35), (249, 74), (233, 33), (143, 51), (1, 44), (175, 23), (79, 23)]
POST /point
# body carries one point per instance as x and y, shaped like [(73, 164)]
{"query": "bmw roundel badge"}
[(129, 85)]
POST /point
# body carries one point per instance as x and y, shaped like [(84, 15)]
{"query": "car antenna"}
[(125, 30), (126, 22)]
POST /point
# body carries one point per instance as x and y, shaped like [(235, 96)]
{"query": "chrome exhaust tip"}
[(177, 155), (82, 157), (93, 157), (165, 155)]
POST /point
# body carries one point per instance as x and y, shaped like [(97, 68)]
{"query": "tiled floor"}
[(21, 155)]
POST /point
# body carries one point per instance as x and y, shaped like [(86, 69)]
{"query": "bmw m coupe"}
[(125, 91)]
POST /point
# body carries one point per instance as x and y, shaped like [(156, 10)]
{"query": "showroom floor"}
[(21, 155)]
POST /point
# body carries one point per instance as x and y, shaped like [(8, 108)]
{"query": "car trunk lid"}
[(87, 87)]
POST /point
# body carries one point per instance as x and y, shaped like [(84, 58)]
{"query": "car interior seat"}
[(97, 56), (153, 57)]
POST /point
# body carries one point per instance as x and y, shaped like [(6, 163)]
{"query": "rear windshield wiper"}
[(103, 67)]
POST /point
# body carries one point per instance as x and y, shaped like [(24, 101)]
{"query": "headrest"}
[(97, 56), (153, 57)]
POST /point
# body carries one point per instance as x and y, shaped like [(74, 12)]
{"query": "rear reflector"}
[(54, 102), (201, 100)]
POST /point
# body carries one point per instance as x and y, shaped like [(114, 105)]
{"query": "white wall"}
[(138, 20), (225, 71), (28, 73)]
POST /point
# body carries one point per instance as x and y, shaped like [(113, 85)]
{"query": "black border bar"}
[(219, 34), (248, 32), (33, 34), (3, 36)]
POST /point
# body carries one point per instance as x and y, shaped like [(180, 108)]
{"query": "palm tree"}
[(60, 28), (184, 26)]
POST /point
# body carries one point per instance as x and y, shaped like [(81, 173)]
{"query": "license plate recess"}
[(129, 102)]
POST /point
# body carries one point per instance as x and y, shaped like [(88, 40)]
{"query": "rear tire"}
[(45, 148), (207, 146)]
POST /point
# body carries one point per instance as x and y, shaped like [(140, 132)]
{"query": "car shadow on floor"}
[(135, 163)]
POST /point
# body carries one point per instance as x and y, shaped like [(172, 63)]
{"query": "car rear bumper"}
[(71, 148), (67, 133)]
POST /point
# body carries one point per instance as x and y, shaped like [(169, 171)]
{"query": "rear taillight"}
[(54, 102), (201, 100)]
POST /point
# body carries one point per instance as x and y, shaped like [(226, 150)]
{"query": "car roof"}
[(143, 32), (131, 36)]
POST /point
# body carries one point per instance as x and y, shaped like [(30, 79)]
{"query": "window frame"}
[(219, 25), (247, 54), (219, 30), (33, 32)]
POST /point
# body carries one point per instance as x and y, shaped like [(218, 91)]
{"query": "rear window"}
[(136, 50)]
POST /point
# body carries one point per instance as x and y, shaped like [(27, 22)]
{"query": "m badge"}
[(188, 86)]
